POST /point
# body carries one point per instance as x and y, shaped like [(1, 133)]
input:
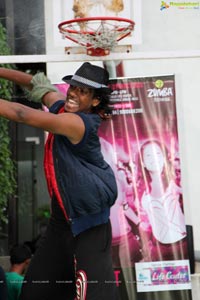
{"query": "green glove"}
[(41, 86)]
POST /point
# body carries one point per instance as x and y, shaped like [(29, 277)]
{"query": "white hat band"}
[(88, 82)]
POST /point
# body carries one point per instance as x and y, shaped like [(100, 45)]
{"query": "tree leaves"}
[(7, 165)]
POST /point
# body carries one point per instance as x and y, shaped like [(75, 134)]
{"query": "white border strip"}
[(4, 59)]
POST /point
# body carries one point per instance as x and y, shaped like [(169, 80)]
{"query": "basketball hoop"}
[(99, 35)]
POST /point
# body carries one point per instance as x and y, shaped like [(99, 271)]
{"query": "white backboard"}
[(58, 11)]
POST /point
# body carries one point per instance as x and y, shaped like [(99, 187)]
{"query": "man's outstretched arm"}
[(38, 87)]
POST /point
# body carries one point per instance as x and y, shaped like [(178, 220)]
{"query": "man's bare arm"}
[(67, 124), (20, 78), (38, 86)]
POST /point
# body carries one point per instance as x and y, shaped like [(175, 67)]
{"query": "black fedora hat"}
[(90, 76)]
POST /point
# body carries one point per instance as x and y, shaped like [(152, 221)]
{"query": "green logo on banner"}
[(159, 83)]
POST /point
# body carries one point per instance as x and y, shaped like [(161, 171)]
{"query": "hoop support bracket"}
[(98, 52)]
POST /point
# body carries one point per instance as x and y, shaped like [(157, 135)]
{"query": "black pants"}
[(67, 268)]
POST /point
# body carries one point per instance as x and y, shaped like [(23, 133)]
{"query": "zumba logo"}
[(160, 91), (165, 92)]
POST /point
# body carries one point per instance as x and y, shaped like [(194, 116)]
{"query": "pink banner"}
[(141, 144)]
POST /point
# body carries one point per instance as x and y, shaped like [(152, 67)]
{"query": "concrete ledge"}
[(197, 267), (195, 281)]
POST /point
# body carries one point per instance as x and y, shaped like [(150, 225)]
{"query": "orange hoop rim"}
[(79, 20), (83, 32)]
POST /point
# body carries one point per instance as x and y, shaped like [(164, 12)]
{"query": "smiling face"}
[(80, 99), (153, 158)]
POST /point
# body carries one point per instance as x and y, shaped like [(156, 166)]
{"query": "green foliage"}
[(7, 166), (43, 213)]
